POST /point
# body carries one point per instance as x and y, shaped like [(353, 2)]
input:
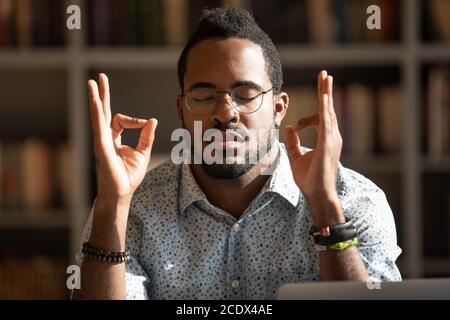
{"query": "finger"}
[(292, 143), (329, 84), (320, 82), (305, 122), (147, 137), (324, 115), (104, 96), (331, 110), (121, 121), (96, 110)]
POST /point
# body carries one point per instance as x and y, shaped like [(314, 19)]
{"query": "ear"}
[(280, 106)]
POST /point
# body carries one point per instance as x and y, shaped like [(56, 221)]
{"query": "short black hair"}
[(233, 22)]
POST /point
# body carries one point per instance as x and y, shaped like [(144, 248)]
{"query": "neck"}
[(242, 190)]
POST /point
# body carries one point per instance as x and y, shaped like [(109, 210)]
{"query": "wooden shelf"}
[(167, 57), (434, 52), (349, 55), (155, 58), (30, 58), (441, 164)]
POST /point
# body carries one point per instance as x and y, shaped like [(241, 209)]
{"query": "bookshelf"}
[(143, 74)]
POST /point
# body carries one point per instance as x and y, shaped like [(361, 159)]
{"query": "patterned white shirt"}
[(183, 247)]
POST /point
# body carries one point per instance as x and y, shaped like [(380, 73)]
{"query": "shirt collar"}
[(189, 190), (281, 182)]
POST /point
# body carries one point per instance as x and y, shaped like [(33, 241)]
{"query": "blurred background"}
[(391, 95)]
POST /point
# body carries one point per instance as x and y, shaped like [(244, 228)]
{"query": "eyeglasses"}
[(244, 99)]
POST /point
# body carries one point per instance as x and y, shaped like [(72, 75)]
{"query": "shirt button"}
[(236, 227), (235, 284)]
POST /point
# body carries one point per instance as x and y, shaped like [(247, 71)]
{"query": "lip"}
[(226, 144), (233, 135)]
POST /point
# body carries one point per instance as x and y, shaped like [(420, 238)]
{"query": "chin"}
[(226, 171)]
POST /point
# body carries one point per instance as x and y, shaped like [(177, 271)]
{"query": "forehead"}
[(225, 61)]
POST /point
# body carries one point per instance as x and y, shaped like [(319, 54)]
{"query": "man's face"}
[(223, 64)]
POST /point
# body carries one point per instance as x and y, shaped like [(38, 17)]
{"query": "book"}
[(389, 131), (358, 16), (100, 20), (389, 17), (439, 11), (1, 177), (438, 113), (448, 220), (150, 23), (26, 23), (36, 184), (322, 22), (246, 4), (41, 22), (24, 20), (176, 21), (35, 175), (35, 277), (361, 117), (120, 22), (6, 22), (293, 28), (10, 176), (343, 22)]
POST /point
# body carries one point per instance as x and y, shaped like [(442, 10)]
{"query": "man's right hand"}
[(120, 168)]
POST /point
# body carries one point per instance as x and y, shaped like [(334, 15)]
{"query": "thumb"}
[(292, 143), (147, 137)]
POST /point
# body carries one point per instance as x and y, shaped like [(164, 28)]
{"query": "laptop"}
[(413, 289)]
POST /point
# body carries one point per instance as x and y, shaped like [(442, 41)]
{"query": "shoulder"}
[(352, 184), (364, 202)]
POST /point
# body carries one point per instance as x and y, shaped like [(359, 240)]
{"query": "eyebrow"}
[(236, 84)]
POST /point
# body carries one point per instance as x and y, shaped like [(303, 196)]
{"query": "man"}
[(228, 230)]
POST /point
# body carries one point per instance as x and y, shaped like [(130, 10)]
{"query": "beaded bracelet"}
[(103, 255)]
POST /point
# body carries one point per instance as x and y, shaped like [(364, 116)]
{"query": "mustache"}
[(225, 126), (232, 127)]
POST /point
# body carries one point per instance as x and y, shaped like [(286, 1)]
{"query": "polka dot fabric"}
[(183, 247)]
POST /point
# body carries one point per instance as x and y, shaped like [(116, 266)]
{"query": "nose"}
[(224, 111)]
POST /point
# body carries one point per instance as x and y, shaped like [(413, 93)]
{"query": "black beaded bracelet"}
[(103, 255)]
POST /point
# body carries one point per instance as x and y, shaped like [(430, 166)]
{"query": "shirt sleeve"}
[(366, 205), (136, 279)]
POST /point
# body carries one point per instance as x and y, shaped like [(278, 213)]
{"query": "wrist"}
[(110, 223), (326, 211), (114, 200)]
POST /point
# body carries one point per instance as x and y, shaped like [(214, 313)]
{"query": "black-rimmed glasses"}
[(244, 99)]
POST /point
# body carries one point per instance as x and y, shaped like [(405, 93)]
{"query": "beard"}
[(233, 170), (228, 170)]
